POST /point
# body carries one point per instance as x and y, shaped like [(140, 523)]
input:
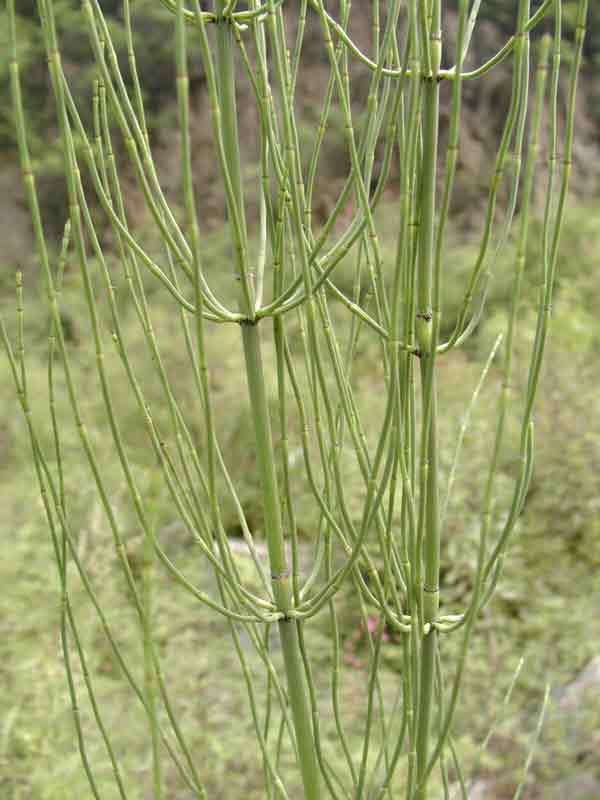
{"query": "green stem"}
[(427, 326), (149, 672), (280, 574)]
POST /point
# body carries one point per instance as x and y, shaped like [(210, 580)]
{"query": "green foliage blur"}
[(153, 34)]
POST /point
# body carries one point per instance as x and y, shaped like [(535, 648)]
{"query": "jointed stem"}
[(280, 573), (427, 327), (250, 329)]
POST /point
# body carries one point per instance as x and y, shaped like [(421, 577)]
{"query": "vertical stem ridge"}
[(427, 326), (280, 574)]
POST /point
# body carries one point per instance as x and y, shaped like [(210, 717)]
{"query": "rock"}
[(482, 790), (479, 789), (570, 697), (580, 787)]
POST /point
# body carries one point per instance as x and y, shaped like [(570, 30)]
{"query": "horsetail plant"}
[(388, 551)]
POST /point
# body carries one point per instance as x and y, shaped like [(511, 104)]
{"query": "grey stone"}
[(571, 696), (580, 787)]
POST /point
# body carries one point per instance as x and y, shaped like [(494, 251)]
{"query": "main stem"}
[(280, 572), (428, 318)]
